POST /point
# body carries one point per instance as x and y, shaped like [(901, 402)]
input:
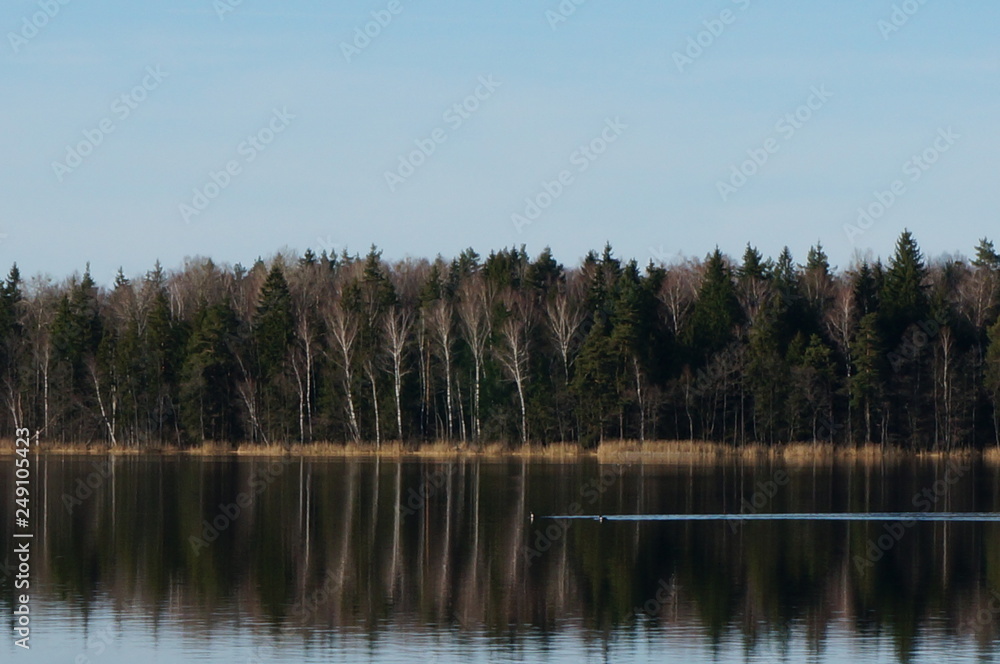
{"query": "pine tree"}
[(817, 377), (594, 383), (11, 344), (544, 272), (717, 311), (631, 327), (164, 340), (768, 374), (754, 282), (273, 323), (10, 299), (903, 300), (817, 283), (208, 377), (692, 350), (992, 376), (986, 256), (866, 290), (867, 379)]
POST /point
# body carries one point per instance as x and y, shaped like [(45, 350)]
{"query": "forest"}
[(351, 349)]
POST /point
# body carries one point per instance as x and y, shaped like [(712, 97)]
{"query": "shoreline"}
[(616, 451)]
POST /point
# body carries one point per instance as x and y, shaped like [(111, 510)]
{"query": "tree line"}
[(350, 348)]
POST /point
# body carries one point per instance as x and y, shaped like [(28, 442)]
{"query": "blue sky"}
[(654, 192)]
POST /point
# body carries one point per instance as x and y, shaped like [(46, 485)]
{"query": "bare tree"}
[(247, 389), (474, 305), (976, 299), (397, 331), (38, 315), (678, 294), (407, 278), (752, 292), (945, 354), (564, 317), (442, 327), (305, 287), (370, 374), (976, 296), (109, 422), (424, 362), (513, 349), (342, 326), (839, 319)]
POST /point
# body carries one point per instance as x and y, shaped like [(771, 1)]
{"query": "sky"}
[(162, 130)]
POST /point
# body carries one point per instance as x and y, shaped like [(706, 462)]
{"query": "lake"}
[(178, 559)]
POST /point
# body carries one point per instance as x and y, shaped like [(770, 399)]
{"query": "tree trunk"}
[(378, 426), (100, 402), (524, 410), (642, 405), (397, 392)]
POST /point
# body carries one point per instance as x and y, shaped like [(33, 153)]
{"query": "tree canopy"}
[(512, 348)]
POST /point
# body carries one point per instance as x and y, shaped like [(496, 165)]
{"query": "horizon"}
[(930, 260)]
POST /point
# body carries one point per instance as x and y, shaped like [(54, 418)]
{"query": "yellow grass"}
[(610, 451), (991, 455)]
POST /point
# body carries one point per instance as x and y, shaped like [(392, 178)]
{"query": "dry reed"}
[(609, 451)]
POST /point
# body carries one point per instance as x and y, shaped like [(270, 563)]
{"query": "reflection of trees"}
[(456, 559)]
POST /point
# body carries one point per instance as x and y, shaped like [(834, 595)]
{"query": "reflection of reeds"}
[(991, 455), (609, 451)]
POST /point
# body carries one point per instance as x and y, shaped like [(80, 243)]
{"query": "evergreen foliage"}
[(510, 348)]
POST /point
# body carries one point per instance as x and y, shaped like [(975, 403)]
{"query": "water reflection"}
[(405, 561)]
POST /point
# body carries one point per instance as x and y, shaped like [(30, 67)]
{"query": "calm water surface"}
[(222, 560)]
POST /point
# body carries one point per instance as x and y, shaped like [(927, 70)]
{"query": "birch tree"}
[(512, 352), (474, 312)]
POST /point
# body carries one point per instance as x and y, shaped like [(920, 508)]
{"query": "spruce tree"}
[(992, 376), (866, 382), (986, 256), (273, 323), (716, 312), (903, 298)]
